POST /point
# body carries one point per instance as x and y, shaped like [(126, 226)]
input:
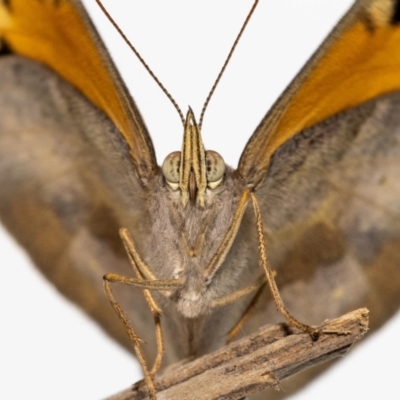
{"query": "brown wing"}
[(357, 62), (61, 35), (67, 184), (69, 176), (331, 209), (324, 162)]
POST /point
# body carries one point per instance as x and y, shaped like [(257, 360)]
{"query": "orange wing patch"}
[(360, 60), (60, 35), (363, 64)]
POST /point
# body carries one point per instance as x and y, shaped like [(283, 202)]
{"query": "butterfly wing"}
[(331, 210), (60, 35), (75, 154), (324, 163), (357, 62)]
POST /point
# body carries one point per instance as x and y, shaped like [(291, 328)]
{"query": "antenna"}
[(227, 61), (140, 58)]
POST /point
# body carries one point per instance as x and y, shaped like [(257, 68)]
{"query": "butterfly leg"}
[(313, 332), (140, 272), (257, 286), (243, 319), (156, 311), (145, 284), (134, 339), (232, 297)]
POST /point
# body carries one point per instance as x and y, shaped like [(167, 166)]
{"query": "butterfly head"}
[(193, 169)]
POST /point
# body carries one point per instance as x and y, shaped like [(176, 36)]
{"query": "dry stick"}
[(254, 363)]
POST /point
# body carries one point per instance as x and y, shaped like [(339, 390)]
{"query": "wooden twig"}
[(254, 363)]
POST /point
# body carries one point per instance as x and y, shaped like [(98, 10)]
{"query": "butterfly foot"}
[(314, 333)]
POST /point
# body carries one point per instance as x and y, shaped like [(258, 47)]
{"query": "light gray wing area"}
[(331, 213), (67, 184)]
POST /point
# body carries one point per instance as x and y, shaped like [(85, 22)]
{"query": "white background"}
[(48, 349)]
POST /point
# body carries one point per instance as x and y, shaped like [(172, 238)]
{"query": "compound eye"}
[(170, 169), (215, 168)]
